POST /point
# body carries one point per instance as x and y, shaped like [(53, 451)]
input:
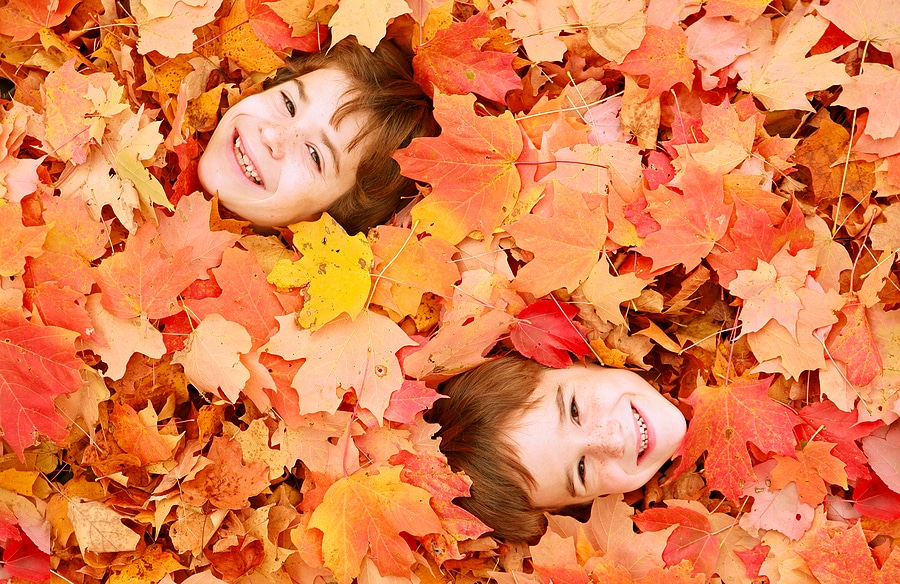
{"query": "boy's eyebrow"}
[(335, 153), (561, 406)]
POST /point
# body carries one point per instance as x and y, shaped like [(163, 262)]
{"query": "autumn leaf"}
[(690, 223), (811, 469), (21, 20), (17, 241), (662, 57), (836, 553), (37, 363), (545, 332), (725, 419), (614, 28), (144, 280), (873, 21), (334, 268), (567, 245), (606, 292), (211, 356), (171, 33), (135, 437), (227, 483), (367, 21), (780, 74), (455, 64), (854, 345), (365, 513), (247, 298), (471, 167), (100, 529), (344, 354)]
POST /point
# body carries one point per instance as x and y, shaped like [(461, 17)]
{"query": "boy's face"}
[(594, 431), (276, 158)]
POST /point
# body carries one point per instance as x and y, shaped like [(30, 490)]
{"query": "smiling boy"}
[(320, 137), (534, 439)]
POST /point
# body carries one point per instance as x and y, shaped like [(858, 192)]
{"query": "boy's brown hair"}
[(383, 89), (483, 405)]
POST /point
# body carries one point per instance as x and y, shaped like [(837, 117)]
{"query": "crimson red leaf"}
[(546, 333)]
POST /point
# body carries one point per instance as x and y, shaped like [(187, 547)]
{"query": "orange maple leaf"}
[(662, 57), (471, 167), (726, 417), (813, 467), (227, 483), (365, 513)]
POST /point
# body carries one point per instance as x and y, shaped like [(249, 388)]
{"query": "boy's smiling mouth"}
[(244, 161), (643, 434)]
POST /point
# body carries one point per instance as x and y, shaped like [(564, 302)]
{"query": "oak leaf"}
[(211, 357), (471, 168), (455, 64), (334, 268), (662, 56), (365, 513), (726, 418)]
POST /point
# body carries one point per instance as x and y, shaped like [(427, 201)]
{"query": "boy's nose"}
[(273, 138), (607, 439)]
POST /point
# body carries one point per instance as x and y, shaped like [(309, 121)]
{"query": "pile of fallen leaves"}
[(700, 190)]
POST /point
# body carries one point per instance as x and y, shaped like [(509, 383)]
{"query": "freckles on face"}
[(278, 157), (594, 431)]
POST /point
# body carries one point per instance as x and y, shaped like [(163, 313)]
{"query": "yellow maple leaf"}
[(334, 266)]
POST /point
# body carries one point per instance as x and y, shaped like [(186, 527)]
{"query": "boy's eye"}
[(581, 470), (288, 103), (573, 411), (315, 157)]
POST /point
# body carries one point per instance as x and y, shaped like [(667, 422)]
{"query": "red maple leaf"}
[(454, 62), (692, 540), (471, 168), (37, 363), (143, 279), (546, 333), (691, 223), (662, 57), (247, 298), (726, 417), (853, 344), (22, 19)]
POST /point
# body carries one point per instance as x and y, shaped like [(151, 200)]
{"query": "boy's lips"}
[(244, 162)]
